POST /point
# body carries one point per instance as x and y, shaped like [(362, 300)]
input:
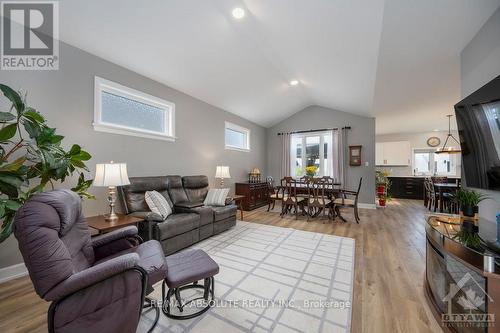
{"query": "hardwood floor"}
[(389, 271)]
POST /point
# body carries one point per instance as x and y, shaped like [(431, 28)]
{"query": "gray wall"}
[(66, 97), (417, 140), (316, 117), (480, 63)]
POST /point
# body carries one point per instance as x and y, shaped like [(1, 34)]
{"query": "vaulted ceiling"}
[(396, 60)]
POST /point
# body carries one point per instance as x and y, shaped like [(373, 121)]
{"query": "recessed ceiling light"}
[(436, 130), (238, 13), (294, 82)]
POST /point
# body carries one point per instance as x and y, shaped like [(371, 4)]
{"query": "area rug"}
[(273, 279)]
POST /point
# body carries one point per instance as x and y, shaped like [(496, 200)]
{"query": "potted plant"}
[(468, 201), (383, 185), (32, 157), (311, 170)]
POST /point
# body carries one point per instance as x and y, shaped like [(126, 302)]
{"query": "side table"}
[(238, 200), (102, 226)]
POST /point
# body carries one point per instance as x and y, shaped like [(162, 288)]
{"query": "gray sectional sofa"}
[(190, 222)]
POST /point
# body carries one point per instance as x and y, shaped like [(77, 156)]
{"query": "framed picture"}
[(354, 155)]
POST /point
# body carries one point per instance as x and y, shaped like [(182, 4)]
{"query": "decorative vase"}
[(381, 189), (470, 211), (310, 174), (469, 226)]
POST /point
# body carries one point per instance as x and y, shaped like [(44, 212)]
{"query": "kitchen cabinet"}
[(407, 187), (396, 153)]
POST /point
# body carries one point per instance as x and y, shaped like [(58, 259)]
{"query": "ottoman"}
[(184, 270)]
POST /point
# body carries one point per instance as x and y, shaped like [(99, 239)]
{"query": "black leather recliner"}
[(190, 221)]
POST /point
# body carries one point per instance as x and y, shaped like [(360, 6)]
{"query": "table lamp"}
[(111, 175), (222, 172)]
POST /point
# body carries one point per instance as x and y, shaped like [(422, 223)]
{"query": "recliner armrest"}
[(114, 235), (92, 275)]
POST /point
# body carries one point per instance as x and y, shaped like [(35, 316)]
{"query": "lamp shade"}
[(111, 174), (222, 172)]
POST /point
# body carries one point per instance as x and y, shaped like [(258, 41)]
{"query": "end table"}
[(102, 226)]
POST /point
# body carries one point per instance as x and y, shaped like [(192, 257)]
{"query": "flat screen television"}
[(478, 120)]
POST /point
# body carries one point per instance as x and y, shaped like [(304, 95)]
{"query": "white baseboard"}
[(12, 272), (367, 206)]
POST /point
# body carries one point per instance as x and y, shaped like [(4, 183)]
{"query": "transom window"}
[(122, 110), (317, 152), (426, 163), (237, 137)]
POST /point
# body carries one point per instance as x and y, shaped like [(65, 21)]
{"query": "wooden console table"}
[(255, 194)]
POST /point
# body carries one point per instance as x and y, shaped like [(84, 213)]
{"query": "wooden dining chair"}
[(290, 198), (348, 199), (275, 194), (318, 201), (432, 199)]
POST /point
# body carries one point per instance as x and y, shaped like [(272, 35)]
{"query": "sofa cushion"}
[(177, 224), (221, 213), (158, 204), (216, 197), (196, 187), (175, 189)]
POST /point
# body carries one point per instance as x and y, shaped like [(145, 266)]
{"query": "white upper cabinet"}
[(397, 153)]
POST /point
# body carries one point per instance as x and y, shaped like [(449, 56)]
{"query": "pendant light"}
[(449, 150)]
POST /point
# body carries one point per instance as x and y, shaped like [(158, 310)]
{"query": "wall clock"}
[(433, 141)]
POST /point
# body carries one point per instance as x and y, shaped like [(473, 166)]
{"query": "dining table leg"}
[(440, 199)]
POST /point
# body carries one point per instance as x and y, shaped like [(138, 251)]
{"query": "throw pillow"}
[(158, 204), (216, 197)]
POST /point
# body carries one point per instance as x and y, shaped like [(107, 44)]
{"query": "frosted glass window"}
[(237, 137), (122, 110), (127, 112)]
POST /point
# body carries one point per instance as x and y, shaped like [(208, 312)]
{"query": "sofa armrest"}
[(148, 216), (92, 275)]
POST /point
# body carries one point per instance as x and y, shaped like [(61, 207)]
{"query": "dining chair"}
[(318, 201), (432, 198), (348, 199), (275, 194), (303, 186), (290, 198)]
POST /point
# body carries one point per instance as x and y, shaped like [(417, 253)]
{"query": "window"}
[(237, 137), (426, 163), (317, 147), (122, 110)]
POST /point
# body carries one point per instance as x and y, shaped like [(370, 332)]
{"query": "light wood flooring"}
[(389, 271)]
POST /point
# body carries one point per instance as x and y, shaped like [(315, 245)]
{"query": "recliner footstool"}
[(184, 270)]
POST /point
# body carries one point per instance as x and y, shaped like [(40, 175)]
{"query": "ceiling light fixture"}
[(449, 150), (238, 13), (294, 82)]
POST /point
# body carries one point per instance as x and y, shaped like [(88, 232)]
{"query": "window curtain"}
[(338, 152), (285, 154)]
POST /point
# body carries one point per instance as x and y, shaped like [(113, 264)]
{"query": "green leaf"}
[(75, 150), (12, 205), (84, 156), (8, 132), (14, 166), (8, 189), (14, 97), (6, 227), (6, 116), (34, 116)]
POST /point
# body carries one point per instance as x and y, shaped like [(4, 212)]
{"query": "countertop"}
[(450, 177)]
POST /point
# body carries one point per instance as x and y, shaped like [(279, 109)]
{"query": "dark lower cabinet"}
[(256, 195), (407, 187)]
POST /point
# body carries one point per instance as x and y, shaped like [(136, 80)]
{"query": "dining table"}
[(303, 189), (445, 188)]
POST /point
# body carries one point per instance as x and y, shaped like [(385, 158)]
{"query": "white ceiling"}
[(396, 60)]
